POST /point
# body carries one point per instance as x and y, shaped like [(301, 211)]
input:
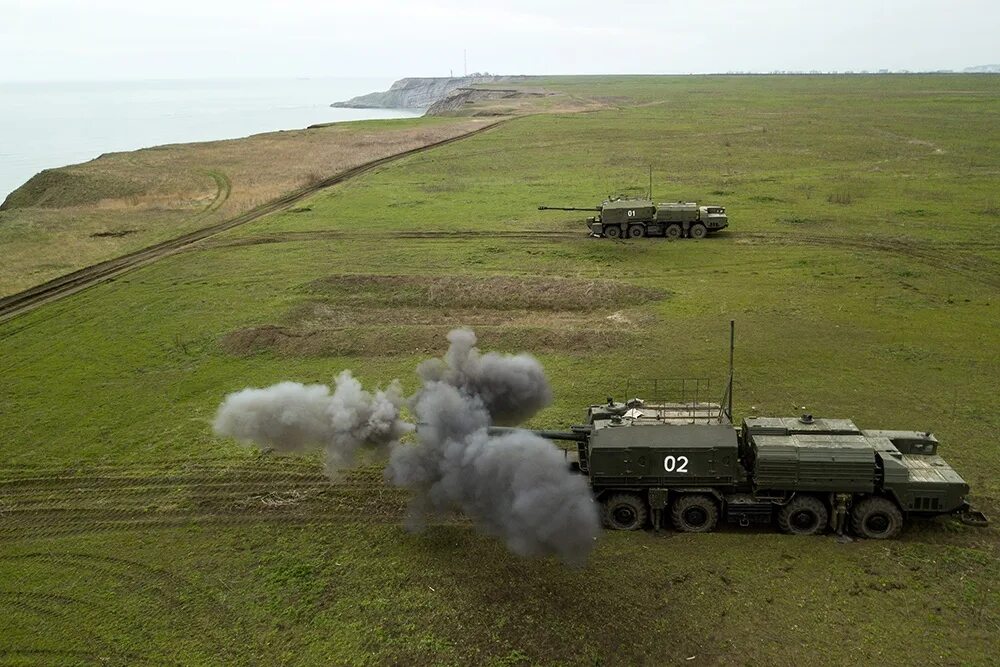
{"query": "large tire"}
[(625, 511), (674, 232), (694, 514), (876, 518), (698, 231), (803, 515), (613, 231), (636, 231)]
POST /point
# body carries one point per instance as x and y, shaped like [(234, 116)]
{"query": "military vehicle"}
[(621, 217), (686, 460)]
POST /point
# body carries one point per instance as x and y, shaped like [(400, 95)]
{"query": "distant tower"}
[(465, 63)]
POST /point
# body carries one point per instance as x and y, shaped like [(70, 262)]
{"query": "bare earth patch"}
[(368, 315)]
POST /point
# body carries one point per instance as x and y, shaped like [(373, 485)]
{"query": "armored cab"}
[(915, 476), (713, 217)]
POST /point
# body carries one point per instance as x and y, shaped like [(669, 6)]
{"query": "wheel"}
[(625, 511), (694, 514), (876, 519), (698, 231), (613, 231), (803, 515), (674, 232), (636, 232)]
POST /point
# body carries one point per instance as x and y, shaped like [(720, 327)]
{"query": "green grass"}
[(862, 271)]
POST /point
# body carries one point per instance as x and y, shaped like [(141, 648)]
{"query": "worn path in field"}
[(15, 304)]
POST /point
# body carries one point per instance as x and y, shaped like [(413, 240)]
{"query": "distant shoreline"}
[(45, 125)]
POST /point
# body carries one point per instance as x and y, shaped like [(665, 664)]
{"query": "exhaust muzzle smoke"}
[(515, 486)]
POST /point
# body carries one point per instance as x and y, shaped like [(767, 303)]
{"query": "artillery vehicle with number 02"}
[(632, 218), (686, 461)]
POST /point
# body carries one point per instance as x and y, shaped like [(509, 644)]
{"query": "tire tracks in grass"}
[(162, 587), (21, 302), (50, 502)]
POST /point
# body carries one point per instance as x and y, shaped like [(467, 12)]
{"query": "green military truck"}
[(686, 461), (636, 217)]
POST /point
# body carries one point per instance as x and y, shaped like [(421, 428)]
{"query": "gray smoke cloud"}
[(292, 417), (515, 486), (511, 387)]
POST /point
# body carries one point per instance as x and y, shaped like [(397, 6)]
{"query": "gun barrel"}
[(575, 436), (569, 208)]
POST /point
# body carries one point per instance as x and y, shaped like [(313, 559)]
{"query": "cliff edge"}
[(417, 93)]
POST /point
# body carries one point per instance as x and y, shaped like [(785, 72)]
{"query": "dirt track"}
[(15, 304), (40, 502)]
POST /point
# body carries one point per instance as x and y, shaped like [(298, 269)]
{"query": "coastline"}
[(50, 125)]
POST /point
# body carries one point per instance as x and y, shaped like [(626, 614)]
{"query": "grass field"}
[(862, 269)]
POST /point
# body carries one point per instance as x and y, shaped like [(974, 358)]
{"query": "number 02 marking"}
[(678, 464)]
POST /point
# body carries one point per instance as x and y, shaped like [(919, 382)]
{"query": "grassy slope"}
[(71, 217), (903, 335)]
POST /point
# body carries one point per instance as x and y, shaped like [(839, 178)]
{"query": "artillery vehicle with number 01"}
[(632, 218)]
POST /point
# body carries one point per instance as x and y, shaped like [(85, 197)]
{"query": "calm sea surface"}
[(46, 125)]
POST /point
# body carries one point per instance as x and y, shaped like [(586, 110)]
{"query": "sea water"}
[(49, 124)]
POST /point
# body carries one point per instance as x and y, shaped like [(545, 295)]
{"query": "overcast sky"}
[(136, 39)]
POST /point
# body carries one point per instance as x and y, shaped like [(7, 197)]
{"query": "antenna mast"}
[(650, 182), (732, 346)]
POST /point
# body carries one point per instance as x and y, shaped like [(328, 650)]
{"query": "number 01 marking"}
[(631, 214), (678, 464)]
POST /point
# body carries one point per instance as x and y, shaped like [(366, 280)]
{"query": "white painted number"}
[(631, 214), (679, 464)]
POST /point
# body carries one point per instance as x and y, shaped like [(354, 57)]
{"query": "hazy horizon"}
[(392, 78), (117, 40)]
